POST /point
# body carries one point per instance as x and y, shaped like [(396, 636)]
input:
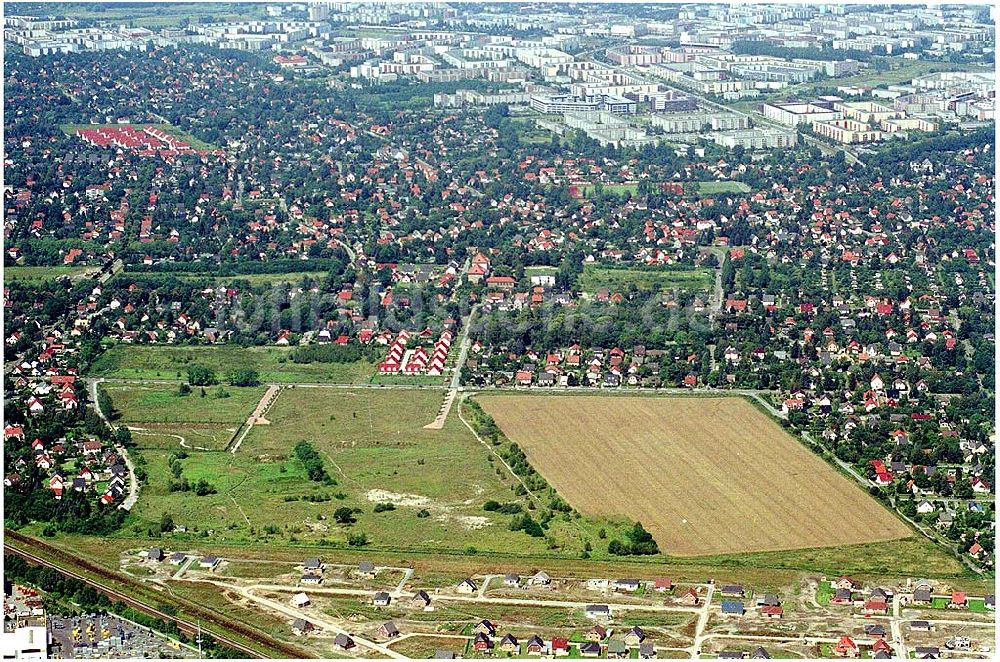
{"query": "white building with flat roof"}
[(800, 112), (848, 132), (25, 643), (767, 138)]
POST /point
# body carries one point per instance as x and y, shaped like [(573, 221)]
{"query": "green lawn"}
[(272, 363), (977, 605), (161, 418), (415, 380), (589, 189), (708, 188), (163, 404), (39, 274), (596, 276), (824, 592), (424, 647), (529, 133), (71, 129)]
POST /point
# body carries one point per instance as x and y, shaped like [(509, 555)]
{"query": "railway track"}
[(186, 626)]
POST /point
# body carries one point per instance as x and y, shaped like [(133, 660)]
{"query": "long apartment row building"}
[(475, 98), (555, 104), (700, 121), (608, 129), (761, 138)]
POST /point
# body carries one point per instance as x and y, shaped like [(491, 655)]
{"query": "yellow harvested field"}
[(703, 475)]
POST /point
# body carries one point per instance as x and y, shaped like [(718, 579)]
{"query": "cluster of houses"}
[(209, 562), (596, 641), (600, 640), (58, 390), (504, 295), (570, 366), (419, 360), (101, 471), (732, 604), (878, 601), (886, 473), (144, 141), (42, 378)]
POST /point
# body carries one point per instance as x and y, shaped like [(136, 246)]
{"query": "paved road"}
[(133, 484), (407, 573), (350, 251), (463, 349)]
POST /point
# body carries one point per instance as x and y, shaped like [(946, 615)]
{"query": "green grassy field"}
[(618, 189), (40, 274), (976, 605), (163, 404), (707, 188), (596, 276), (909, 556), (160, 418), (413, 380), (530, 133), (425, 646), (540, 270), (375, 448), (71, 129), (272, 363), (158, 16)]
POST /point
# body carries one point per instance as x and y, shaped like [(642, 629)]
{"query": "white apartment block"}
[(796, 113), (847, 132), (757, 139)]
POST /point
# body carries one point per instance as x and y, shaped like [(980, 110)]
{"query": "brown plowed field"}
[(703, 475)]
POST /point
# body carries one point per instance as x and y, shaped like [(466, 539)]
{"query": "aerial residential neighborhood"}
[(449, 330)]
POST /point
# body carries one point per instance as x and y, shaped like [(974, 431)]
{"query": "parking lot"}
[(108, 636)]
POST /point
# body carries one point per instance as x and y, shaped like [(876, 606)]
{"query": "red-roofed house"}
[(846, 647)]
